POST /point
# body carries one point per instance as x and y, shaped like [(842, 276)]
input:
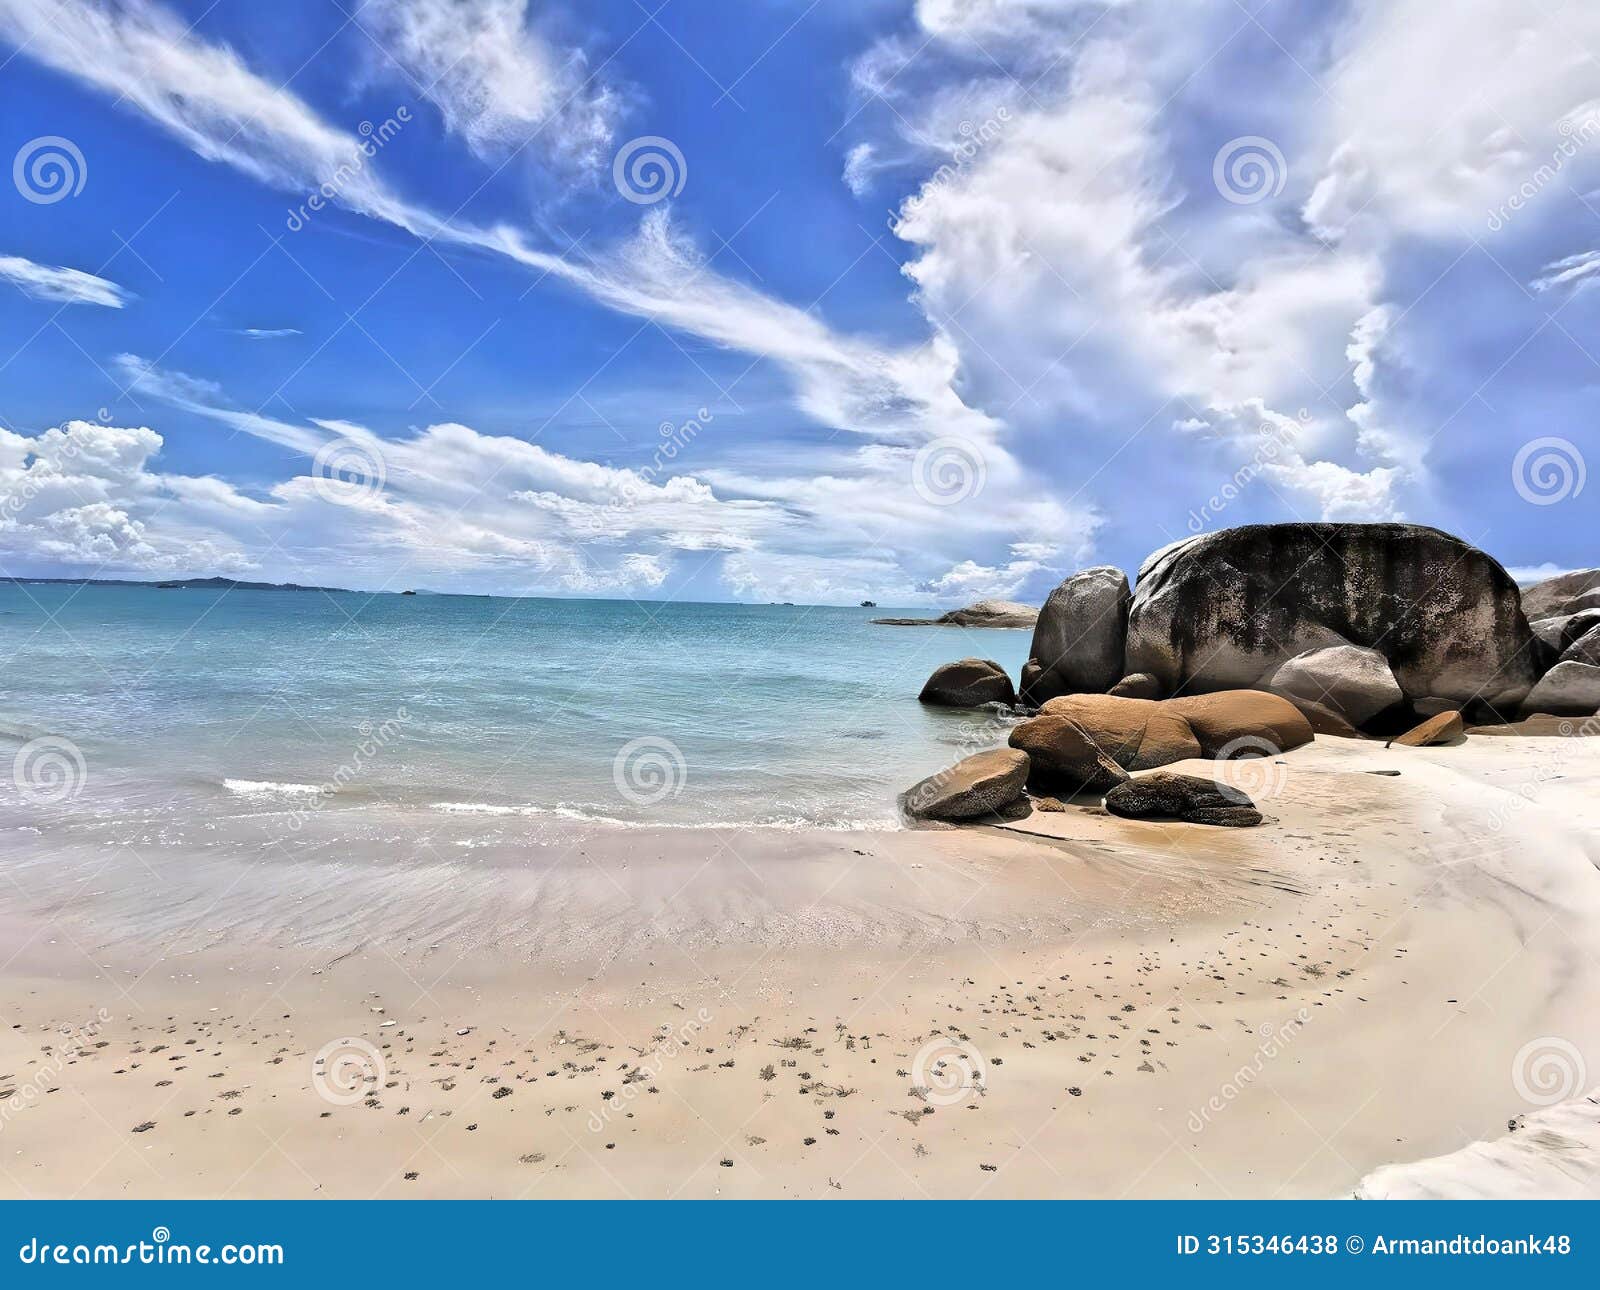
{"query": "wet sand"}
[(1071, 1006)]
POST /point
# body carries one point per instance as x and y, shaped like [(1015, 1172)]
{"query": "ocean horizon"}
[(272, 703)]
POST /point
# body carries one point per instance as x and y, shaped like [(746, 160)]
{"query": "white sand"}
[(1271, 1012)]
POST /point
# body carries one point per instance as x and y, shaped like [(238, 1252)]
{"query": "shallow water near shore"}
[(200, 704)]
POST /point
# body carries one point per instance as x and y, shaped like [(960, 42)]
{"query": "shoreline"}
[(1276, 1011)]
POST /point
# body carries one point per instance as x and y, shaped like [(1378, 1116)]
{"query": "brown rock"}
[(975, 786), (1183, 797), (1137, 734), (1444, 728), (1542, 725), (1064, 759), (1223, 719)]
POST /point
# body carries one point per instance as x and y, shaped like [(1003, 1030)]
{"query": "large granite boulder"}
[(1353, 682), (1566, 593), (975, 786), (1220, 610), (1233, 723), (1079, 639), (1063, 758), (1566, 690), (1166, 795), (1137, 734), (969, 683)]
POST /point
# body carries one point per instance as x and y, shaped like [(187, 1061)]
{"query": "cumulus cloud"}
[(65, 286)]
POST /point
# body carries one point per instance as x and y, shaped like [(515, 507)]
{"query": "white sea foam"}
[(256, 787), (594, 817)]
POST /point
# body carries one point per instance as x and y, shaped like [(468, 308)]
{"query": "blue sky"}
[(940, 300)]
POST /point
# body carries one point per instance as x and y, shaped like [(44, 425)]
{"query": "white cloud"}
[(268, 333), (67, 286), (497, 82)]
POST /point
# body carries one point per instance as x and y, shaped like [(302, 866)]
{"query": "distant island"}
[(178, 584)]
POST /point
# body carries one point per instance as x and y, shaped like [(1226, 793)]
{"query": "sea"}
[(158, 712)]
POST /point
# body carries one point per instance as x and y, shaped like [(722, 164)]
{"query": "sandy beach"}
[(1393, 967)]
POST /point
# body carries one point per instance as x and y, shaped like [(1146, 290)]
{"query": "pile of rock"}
[(1269, 634)]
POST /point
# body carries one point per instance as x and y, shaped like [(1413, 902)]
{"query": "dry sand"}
[(1391, 968)]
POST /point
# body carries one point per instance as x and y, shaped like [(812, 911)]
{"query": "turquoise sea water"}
[(187, 704)]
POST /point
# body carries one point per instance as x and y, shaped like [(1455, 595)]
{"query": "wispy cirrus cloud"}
[(65, 286)]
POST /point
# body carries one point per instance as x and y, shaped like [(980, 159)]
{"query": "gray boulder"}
[(975, 786), (1586, 649), (1079, 640), (1559, 631), (1565, 594), (1566, 690), (1140, 685), (969, 683), (1355, 683), (1219, 610), (1167, 795)]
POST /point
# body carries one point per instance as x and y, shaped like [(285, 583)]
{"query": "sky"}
[(917, 301)]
